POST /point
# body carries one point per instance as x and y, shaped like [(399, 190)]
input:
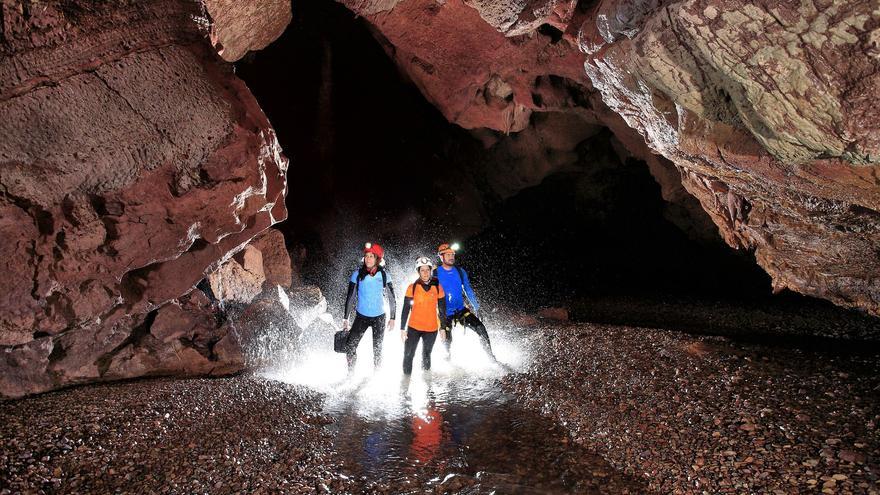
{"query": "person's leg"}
[(428, 339), (378, 324), (354, 338), (409, 349), (447, 344), (474, 323)]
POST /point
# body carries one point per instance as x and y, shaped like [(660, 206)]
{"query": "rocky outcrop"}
[(133, 163), (474, 75), (524, 94), (761, 111), (240, 26), (277, 265), (764, 108)]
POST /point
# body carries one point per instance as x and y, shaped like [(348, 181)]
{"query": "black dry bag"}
[(340, 341)]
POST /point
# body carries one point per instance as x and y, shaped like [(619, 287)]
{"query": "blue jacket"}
[(369, 300), (455, 289)]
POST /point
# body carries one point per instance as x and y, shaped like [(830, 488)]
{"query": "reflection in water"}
[(427, 432), (450, 429)]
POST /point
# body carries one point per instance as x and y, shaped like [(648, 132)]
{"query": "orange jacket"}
[(423, 307)]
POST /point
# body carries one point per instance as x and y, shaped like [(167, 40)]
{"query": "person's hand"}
[(345, 324), (390, 325), (403, 335), (443, 334)]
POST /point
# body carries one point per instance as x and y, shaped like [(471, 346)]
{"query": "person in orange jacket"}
[(424, 315)]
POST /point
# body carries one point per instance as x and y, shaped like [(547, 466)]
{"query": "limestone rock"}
[(240, 279), (762, 112), (132, 163), (240, 26), (276, 264), (761, 107)]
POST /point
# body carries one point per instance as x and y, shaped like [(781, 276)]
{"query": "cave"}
[(673, 239)]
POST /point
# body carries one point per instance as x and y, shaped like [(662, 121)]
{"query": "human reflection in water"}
[(427, 429)]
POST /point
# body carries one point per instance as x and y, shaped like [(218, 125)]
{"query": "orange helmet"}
[(447, 248)]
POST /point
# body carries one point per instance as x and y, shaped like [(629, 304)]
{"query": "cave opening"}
[(585, 228)]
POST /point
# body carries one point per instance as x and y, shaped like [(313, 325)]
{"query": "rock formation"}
[(240, 26), (761, 111), (132, 163)]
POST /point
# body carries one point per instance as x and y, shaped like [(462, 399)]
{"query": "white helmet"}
[(424, 261)]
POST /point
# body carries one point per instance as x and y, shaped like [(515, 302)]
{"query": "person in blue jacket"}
[(456, 285), (368, 287)]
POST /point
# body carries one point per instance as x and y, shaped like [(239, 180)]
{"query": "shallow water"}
[(451, 429)]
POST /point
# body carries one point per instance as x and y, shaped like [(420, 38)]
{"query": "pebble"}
[(642, 390)]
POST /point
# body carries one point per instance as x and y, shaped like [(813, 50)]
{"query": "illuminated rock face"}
[(239, 26), (762, 111), (764, 108), (132, 163)]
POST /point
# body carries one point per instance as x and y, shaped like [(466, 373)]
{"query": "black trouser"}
[(469, 320), (358, 328), (409, 348)]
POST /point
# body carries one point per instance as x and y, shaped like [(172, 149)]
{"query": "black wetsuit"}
[(356, 287)]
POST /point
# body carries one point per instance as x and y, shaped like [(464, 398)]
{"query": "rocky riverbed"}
[(225, 435), (696, 414), (625, 410)]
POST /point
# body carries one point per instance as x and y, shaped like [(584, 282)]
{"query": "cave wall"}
[(132, 163), (764, 107), (759, 110)]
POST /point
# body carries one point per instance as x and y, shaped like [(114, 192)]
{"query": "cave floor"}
[(589, 408)]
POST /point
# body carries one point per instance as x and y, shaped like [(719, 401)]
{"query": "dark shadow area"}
[(372, 160)]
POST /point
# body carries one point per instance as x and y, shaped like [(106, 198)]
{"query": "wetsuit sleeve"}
[(350, 299), (392, 303), (407, 306), (469, 291), (441, 309)]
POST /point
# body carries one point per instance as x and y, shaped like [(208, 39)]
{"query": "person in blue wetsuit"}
[(456, 285), (368, 288)]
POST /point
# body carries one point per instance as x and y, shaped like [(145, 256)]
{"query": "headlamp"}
[(455, 246)]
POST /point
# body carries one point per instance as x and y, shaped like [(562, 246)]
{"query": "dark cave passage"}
[(372, 159)]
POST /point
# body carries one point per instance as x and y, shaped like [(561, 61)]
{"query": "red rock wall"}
[(764, 108), (762, 111), (239, 26), (133, 162)]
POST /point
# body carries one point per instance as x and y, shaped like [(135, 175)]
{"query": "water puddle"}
[(450, 430)]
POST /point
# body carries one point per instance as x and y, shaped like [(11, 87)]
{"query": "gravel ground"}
[(696, 414), (229, 435), (780, 319), (681, 413)]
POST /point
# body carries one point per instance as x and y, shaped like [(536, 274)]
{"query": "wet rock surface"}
[(465, 436), (695, 414)]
